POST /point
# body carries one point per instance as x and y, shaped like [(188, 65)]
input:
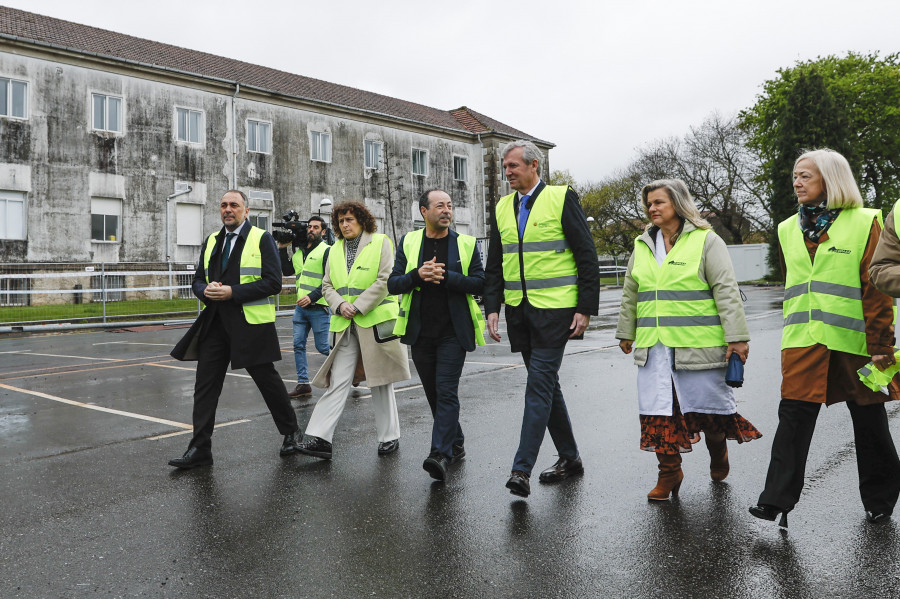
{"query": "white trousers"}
[(329, 408)]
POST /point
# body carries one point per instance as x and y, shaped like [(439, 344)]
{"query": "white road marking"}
[(30, 353), (243, 376), (187, 432), (98, 408)]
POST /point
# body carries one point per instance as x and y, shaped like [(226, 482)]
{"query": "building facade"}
[(118, 149)]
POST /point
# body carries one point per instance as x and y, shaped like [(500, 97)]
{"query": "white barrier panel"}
[(750, 261)]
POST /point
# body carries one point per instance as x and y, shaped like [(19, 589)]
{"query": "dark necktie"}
[(227, 251), (523, 215)]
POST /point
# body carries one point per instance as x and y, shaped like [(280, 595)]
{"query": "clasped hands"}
[(218, 292), (432, 271)]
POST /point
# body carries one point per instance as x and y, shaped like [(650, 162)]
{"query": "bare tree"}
[(393, 186), (720, 171)]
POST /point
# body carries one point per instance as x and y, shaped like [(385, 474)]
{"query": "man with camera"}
[(308, 263)]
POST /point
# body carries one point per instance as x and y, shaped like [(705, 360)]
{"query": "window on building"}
[(13, 98), (320, 146), (419, 162), (12, 215), (259, 137), (188, 224), (106, 216), (184, 282), (188, 125), (460, 168), (373, 154), (112, 287), (260, 219), (8, 288), (107, 113)]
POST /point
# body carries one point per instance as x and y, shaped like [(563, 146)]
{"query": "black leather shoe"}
[(387, 447), (876, 517), (291, 443), (518, 484), (459, 452), (770, 512), (316, 447), (436, 466), (193, 458), (561, 470)]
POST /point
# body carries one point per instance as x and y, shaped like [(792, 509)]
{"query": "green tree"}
[(866, 89), (809, 118), (563, 177)]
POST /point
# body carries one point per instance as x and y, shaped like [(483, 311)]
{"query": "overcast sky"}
[(597, 78)]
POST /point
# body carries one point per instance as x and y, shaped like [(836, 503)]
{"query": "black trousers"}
[(439, 362), (212, 365), (876, 456)]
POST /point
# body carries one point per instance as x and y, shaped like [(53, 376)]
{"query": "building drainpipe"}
[(237, 90), (483, 188)]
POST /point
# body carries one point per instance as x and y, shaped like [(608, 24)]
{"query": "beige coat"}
[(884, 270), (716, 270), (384, 362)]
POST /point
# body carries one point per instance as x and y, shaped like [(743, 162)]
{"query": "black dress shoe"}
[(291, 443), (561, 470), (518, 484), (316, 447), (459, 452), (436, 466), (386, 447), (876, 517), (770, 512), (193, 458)]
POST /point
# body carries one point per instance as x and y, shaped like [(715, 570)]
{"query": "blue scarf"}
[(815, 220)]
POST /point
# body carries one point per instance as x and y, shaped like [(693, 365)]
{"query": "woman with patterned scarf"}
[(362, 325), (834, 320)]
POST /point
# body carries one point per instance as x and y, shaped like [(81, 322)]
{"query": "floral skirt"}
[(675, 434)]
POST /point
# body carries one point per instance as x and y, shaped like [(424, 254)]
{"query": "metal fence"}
[(97, 293)]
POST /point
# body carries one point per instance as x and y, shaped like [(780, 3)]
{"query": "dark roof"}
[(40, 29)]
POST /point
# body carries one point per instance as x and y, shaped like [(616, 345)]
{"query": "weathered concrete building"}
[(99, 130)]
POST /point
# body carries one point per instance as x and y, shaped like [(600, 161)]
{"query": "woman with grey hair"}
[(682, 316), (834, 320)]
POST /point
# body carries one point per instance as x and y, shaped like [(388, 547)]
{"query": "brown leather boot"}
[(670, 477), (718, 456)]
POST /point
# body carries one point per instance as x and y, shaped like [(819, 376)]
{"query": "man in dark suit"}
[(236, 277), (542, 263), (438, 270)]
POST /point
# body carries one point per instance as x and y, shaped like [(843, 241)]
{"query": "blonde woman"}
[(682, 316), (834, 320)]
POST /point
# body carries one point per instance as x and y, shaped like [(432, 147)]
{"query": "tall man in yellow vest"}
[(236, 277), (437, 270), (542, 260), (308, 264)]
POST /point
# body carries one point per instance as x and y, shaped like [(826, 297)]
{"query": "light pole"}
[(326, 205)]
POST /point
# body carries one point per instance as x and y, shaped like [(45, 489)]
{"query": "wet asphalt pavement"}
[(88, 506)]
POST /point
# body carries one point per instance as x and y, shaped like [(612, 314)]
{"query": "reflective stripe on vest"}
[(551, 276), (258, 311), (674, 305), (363, 275), (310, 271), (412, 247), (823, 298)]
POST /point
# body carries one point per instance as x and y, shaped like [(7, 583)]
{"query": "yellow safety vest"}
[(823, 298), (363, 274), (674, 305), (412, 247), (310, 271), (550, 275), (259, 311)]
